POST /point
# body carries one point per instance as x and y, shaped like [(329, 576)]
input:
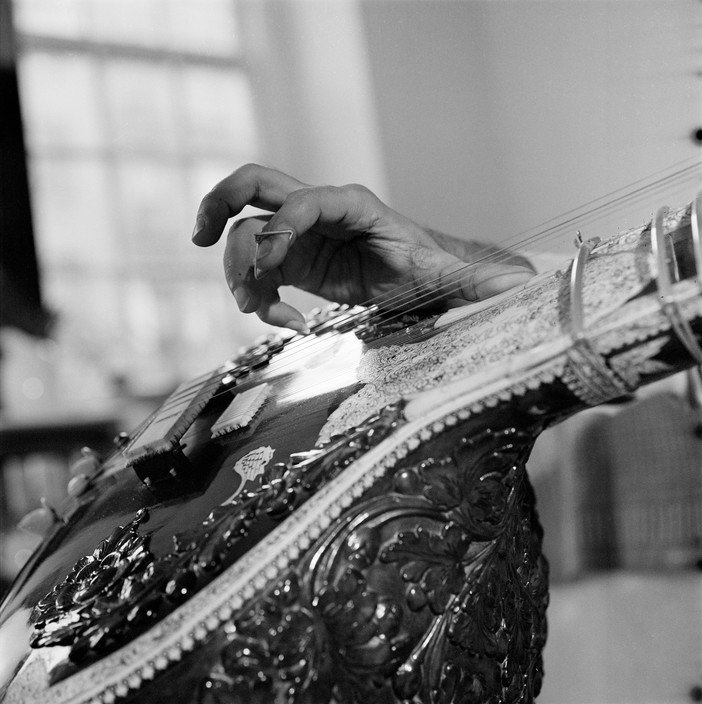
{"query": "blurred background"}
[(485, 119)]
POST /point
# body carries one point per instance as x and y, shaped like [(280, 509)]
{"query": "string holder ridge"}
[(587, 374)]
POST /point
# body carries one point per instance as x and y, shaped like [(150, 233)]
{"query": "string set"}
[(410, 297)]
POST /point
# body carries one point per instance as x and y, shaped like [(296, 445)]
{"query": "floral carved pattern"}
[(114, 594), (431, 590), (87, 610), (640, 361)]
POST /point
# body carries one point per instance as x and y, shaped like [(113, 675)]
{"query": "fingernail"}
[(298, 326), (198, 229), (519, 272), (263, 249), (241, 297), (258, 272), (508, 278)]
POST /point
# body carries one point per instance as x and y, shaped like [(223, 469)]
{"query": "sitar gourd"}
[(345, 516)]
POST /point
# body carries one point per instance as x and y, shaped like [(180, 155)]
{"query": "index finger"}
[(249, 185)]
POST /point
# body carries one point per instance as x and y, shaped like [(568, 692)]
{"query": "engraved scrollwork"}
[(114, 594), (273, 649), (87, 609), (640, 361), (480, 574), (430, 589)]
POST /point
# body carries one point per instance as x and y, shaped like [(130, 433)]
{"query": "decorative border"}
[(587, 375)]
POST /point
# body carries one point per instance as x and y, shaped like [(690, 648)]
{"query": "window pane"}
[(72, 213), (88, 310), (140, 105), (67, 18), (204, 27), (127, 21), (60, 101), (203, 174), (153, 223), (201, 26), (220, 117), (123, 149)]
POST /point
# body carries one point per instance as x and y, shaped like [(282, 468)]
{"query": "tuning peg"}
[(77, 485), (40, 520), (122, 439), (87, 464)]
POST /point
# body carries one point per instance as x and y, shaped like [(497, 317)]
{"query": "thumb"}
[(474, 282)]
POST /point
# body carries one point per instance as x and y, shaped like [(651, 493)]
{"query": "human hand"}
[(341, 243)]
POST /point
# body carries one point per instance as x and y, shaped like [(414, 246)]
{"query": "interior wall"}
[(496, 116), (311, 81)]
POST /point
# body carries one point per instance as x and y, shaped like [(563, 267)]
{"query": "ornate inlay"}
[(89, 609), (119, 590), (433, 590), (253, 464), (588, 376), (640, 361)]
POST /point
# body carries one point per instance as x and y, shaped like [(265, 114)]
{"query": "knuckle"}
[(247, 171), (300, 194), (363, 203), (358, 189), (301, 200), (244, 177)]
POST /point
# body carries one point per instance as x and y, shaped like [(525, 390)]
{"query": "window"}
[(133, 110)]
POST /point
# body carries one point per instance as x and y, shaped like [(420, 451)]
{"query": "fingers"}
[(250, 185), (263, 299), (276, 312), (252, 296), (353, 209), (309, 220)]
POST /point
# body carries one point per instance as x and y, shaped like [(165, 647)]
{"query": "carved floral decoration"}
[(115, 593), (88, 602), (433, 592), (430, 588)]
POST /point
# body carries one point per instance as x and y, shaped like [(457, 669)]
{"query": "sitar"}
[(345, 516)]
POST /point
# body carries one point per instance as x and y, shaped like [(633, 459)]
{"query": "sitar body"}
[(344, 516)]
